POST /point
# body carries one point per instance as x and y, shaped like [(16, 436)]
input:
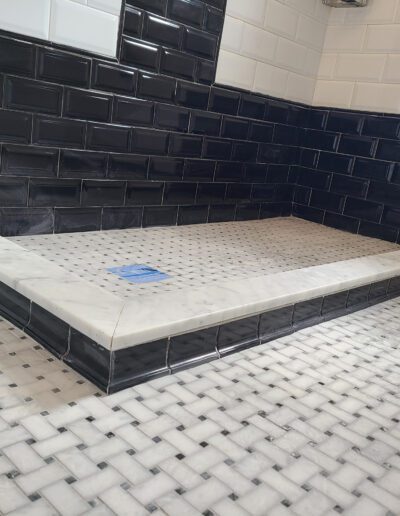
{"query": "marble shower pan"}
[(224, 287)]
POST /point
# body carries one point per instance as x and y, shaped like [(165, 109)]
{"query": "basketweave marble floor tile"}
[(199, 255), (307, 424)]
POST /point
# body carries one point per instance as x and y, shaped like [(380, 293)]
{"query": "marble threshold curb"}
[(117, 343)]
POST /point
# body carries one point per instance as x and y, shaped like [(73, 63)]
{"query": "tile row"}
[(32, 221), (31, 161), (15, 192), (113, 371)]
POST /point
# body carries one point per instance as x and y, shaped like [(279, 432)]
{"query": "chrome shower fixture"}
[(346, 3)]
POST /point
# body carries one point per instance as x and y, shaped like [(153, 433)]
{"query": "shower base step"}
[(221, 288)]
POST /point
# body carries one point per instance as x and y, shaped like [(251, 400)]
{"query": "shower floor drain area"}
[(139, 274), (128, 305)]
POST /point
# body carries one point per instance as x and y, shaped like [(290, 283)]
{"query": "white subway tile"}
[(83, 27), (290, 55), (303, 6), (109, 6), (26, 17), (270, 80), (311, 65), (84, 2), (382, 38), (281, 19), (258, 43), (235, 70), (311, 32), (364, 67), (232, 34), (340, 38), (392, 69), (300, 88), (377, 97), (252, 11), (327, 66), (333, 93)]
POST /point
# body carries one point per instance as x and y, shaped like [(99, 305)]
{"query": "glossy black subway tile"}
[(172, 117), (25, 160), (252, 106), (156, 87), (185, 145), (159, 216), (191, 12), (275, 323), (214, 20), (192, 95), (139, 53), (26, 221), (108, 137), (313, 178), (255, 172), (221, 213), (388, 150), (334, 220), (337, 163), (133, 21), (327, 201), (217, 149), (17, 57), (63, 68), (238, 192), (244, 151), (33, 96), (166, 169), (153, 6), (307, 313), (87, 105), (52, 192), (121, 218), (238, 335), (229, 171), (382, 126), (247, 211), (202, 122), (381, 231), (192, 215), (234, 128), (13, 191), (179, 193), (177, 64), (347, 123), (349, 186), (362, 209), (199, 43), (206, 71), (357, 145), (193, 348), (58, 132), (103, 193), (112, 78), (224, 101), (211, 193), (385, 193), (133, 111), (162, 31), (82, 164), (142, 193), (15, 127), (199, 170), (391, 216), (372, 169), (260, 132), (127, 166), (149, 141)]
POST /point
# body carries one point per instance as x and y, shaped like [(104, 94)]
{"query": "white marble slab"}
[(117, 322)]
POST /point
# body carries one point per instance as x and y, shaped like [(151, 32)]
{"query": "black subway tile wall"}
[(148, 138)]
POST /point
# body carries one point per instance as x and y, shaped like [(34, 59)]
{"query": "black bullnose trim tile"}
[(49, 330), (192, 348), (14, 306)]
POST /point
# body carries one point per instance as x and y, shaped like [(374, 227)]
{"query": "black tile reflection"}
[(28, 95), (50, 192), (83, 164), (63, 68), (25, 160), (17, 57), (192, 348)]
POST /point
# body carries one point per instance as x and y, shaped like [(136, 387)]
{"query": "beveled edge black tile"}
[(49, 330), (14, 306)]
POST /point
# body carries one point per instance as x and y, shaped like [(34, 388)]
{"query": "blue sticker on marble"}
[(138, 273)]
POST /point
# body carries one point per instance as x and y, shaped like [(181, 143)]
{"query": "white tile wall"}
[(301, 50), (85, 24), (277, 42), (273, 46), (360, 65)]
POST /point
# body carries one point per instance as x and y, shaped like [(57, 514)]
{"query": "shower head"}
[(346, 3)]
